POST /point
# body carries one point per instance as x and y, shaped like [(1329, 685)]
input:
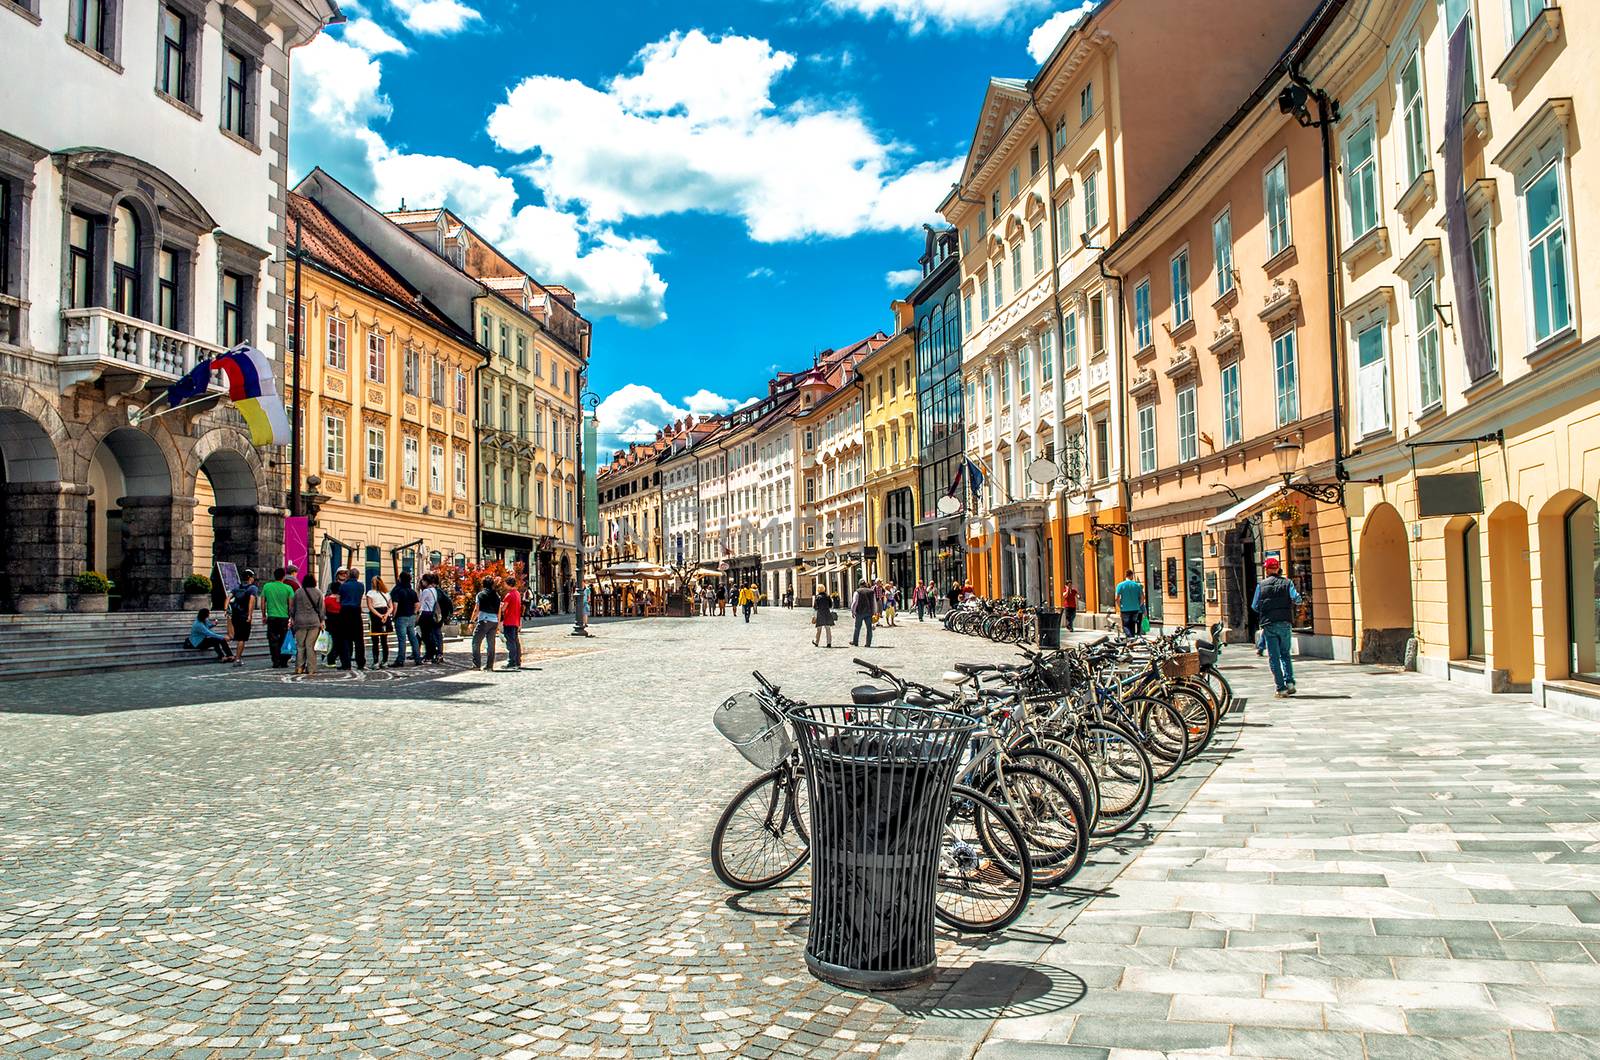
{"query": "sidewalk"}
[(1384, 866)]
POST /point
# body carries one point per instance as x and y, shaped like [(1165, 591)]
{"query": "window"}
[(988, 393), (983, 224), (234, 302), (1102, 450), (377, 356), (1024, 371), (983, 297), (411, 458), (461, 392), (333, 444), (522, 350), (1232, 407), (1147, 439), (80, 253), (505, 342), (1483, 271), (1372, 381), (436, 468), (336, 343), (1544, 206), (994, 205), (1033, 161), (1064, 227), (1061, 133), (1455, 12), (1016, 268), (1416, 117), (1361, 179), (999, 288), (1069, 342), (91, 24), (413, 379), (125, 278), (1014, 184), (1430, 387), (1097, 325), (1275, 189), (505, 413), (1086, 104), (1188, 428), (1286, 378), (1222, 251), (375, 447), (167, 289), (1047, 356), (1182, 310), (1091, 201), (172, 77), (436, 382), (1143, 334), (1038, 249), (1005, 381), (505, 486), (236, 72), (1523, 12)]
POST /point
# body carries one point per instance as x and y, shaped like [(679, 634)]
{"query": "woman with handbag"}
[(822, 616), (380, 618), (306, 618)]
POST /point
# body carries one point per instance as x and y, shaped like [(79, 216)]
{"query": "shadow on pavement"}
[(988, 990)]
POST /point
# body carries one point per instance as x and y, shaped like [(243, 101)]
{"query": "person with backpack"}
[(307, 616), (405, 620), (330, 611), (1274, 601), (242, 612), (352, 638), (862, 609), (428, 616)]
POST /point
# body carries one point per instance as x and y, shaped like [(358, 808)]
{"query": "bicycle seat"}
[(872, 695), (1204, 645), (974, 669)]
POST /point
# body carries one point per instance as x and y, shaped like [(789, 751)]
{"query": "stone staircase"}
[(57, 645)]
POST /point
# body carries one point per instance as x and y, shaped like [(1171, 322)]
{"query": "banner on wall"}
[(297, 542)]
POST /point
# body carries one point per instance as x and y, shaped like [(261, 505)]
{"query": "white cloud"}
[(436, 17), (760, 272), (945, 14), (1043, 40), (373, 38), (633, 413), (339, 98), (903, 278), (695, 128), (704, 403)]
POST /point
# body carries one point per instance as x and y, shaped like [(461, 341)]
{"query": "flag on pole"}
[(974, 476), (252, 388), (955, 480)]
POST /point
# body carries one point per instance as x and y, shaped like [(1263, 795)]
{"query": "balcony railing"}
[(99, 341), (11, 320)]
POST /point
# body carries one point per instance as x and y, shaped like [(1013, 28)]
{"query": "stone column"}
[(44, 535), (157, 544), (1030, 565), (248, 535), (1007, 573)]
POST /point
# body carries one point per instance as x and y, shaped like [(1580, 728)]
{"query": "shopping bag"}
[(324, 642), (289, 647), (1144, 622)]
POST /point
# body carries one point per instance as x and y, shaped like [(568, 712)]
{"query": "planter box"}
[(40, 603), (90, 605), (196, 601)]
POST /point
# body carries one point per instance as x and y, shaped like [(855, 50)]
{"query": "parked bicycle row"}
[(1003, 621), (1068, 748)]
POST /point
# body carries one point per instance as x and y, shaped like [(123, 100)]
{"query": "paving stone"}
[(1303, 1045)]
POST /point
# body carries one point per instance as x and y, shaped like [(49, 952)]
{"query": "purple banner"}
[(1458, 233), (297, 542)]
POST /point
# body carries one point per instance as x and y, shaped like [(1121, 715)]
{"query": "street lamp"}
[(1093, 503), (1286, 451)]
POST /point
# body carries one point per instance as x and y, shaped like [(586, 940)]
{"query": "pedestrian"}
[(722, 599), (954, 596), (404, 614), (291, 577), (428, 617), (486, 622), (380, 619), (330, 611), (202, 636), (242, 612), (891, 603), (1069, 603), (862, 609), (275, 597), (352, 600), (747, 601), (822, 616), (1130, 599), (511, 624), (1274, 601), (307, 616)]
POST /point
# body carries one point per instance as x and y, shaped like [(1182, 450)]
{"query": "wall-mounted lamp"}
[(1094, 504)]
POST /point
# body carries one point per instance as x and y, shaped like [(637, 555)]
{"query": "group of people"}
[(497, 609), (873, 603), (296, 614)]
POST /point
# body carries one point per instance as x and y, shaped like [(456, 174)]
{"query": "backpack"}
[(240, 606), (446, 607)]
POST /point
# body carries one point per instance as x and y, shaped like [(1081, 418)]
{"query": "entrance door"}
[(1472, 588), (1152, 583), (1194, 579)]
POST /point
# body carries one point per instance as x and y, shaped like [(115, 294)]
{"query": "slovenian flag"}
[(252, 388), (974, 477)]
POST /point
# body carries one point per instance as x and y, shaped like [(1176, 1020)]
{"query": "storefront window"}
[(1194, 579), (1583, 589), (1075, 566), (1105, 570), (1153, 589)]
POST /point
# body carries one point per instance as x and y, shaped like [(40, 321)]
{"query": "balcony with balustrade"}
[(124, 353)]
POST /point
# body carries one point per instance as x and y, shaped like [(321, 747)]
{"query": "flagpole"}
[(136, 416)]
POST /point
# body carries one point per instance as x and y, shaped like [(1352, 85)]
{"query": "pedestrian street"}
[(212, 862)]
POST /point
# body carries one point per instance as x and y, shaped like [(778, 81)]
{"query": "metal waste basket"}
[(1049, 628), (880, 778)]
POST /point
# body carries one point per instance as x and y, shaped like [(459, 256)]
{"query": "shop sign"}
[(1457, 493)]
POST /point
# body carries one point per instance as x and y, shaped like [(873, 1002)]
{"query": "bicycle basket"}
[(1058, 673), (758, 730), (1185, 665)]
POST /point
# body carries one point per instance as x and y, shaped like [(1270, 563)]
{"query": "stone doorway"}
[(129, 522)]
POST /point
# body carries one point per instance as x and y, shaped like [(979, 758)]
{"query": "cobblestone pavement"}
[(1385, 866), (214, 863)]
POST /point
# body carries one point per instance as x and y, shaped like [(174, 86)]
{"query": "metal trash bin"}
[(879, 778), (1049, 628)]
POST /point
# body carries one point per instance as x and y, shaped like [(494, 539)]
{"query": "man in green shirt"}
[(1130, 601), (275, 598)]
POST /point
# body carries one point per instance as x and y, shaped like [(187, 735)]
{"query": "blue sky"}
[(727, 185)]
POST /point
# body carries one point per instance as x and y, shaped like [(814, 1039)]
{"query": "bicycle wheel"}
[(1192, 699), (1051, 821), (1220, 688), (1165, 736), (1122, 771), (761, 839), (978, 889), (1058, 758)]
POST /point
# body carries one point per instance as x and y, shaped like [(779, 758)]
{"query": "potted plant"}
[(196, 592), (92, 588)]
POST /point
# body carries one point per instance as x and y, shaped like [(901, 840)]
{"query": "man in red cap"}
[(1274, 602)]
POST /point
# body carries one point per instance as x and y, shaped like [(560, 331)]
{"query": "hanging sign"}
[(1457, 493)]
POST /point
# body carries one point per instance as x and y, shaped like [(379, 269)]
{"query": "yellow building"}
[(387, 426), (889, 423), (1492, 571)]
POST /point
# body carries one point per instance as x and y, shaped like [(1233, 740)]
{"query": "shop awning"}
[(1247, 507)]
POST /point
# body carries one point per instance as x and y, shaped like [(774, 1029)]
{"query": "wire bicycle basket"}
[(758, 730)]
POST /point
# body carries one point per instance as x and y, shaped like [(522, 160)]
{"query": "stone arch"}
[(1384, 579), (134, 533), (1511, 593), (35, 534), (232, 463), (1555, 577)]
